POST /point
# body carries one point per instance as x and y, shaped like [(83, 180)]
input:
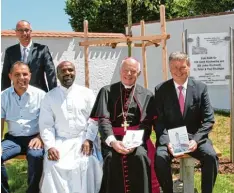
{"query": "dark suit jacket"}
[(198, 114), (39, 61)]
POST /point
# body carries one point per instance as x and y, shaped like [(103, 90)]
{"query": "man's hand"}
[(131, 150), (87, 147), (53, 154), (192, 145), (119, 147), (36, 143), (170, 149)]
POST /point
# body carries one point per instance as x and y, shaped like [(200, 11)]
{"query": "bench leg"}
[(188, 174)]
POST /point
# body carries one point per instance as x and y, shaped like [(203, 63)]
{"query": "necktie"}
[(24, 59), (181, 99)]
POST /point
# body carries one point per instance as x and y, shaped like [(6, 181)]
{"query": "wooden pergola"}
[(141, 41)]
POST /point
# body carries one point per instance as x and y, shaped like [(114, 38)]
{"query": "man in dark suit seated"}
[(183, 101), (37, 57)]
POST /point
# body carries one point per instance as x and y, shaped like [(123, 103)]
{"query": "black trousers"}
[(205, 153)]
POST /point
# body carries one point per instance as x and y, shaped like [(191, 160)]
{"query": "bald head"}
[(66, 73), (19, 23), (129, 71), (61, 64), (132, 61)]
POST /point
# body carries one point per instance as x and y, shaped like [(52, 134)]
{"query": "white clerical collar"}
[(126, 86), (28, 46), (66, 90), (183, 85)]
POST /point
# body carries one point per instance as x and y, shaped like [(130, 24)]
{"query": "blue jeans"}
[(13, 146)]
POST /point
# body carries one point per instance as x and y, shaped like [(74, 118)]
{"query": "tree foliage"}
[(111, 15)]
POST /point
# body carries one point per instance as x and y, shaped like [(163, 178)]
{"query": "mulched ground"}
[(225, 166)]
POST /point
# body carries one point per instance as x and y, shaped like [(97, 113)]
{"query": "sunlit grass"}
[(221, 134), (224, 183)]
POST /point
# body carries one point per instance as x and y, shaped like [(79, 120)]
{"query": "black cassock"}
[(130, 173)]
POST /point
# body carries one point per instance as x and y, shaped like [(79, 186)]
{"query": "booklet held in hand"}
[(133, 138), (179, 139)]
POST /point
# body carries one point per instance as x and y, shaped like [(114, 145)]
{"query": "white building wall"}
[(103, 61), (219, 95)]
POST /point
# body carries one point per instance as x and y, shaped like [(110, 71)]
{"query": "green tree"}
[(200, 7), (185, 8), (109, 15)]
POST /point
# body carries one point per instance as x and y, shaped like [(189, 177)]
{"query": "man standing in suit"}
[(37, 57), (183, 101)]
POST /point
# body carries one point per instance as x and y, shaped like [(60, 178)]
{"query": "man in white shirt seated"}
[(72, 158), (20, 107)]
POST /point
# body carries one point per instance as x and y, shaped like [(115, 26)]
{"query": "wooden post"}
[(188, 174), (232, 95), (129, 13), (86, 54), (163, 42), (183, 41), (145, 73)]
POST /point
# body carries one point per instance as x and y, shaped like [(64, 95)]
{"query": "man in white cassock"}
[(72, 162)]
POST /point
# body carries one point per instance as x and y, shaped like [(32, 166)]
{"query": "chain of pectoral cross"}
[(125, 124)]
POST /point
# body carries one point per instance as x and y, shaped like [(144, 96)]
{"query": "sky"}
[(44, 15)]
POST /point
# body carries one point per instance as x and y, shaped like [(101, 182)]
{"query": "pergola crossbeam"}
[(111, 41), (122, 44)]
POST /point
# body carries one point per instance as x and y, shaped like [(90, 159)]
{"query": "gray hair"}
[(178, 56), (133, 59)]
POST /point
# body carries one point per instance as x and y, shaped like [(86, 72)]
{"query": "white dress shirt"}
[(27, 50), (184, 88)]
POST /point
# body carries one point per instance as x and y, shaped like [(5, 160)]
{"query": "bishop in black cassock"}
[(131, 171), (125, 172)]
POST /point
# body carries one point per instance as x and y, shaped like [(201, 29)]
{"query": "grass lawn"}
[(224, 183), (17, 169), (17, 173)]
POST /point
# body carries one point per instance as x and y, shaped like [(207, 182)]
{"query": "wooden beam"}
[(163, 42), (114, 45), (144, 55), (136, 45), (86, 54), (154, 42), (125, 39)]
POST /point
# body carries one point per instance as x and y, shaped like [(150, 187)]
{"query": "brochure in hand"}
[(179, 139), (133, 138)]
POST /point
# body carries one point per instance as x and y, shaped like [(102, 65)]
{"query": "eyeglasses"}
[(23, 30)]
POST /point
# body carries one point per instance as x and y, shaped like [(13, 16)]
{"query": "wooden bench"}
[(187, 164), (21, 157)]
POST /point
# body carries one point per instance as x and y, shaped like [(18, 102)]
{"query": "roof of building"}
[(9, 33)]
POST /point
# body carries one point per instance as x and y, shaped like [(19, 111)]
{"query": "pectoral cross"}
[(125, 125)]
